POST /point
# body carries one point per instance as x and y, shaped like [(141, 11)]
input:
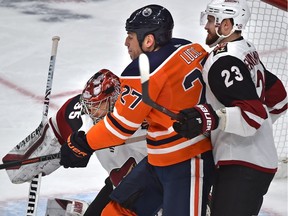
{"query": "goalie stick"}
[(19, 163), (36, 181), (144, 67)]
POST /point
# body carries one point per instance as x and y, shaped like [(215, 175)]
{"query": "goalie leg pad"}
[(65, 207)]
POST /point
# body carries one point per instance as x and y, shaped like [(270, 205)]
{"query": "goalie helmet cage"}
[(267, 30)]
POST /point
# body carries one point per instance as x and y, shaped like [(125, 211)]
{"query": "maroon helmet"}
[(100, 94)]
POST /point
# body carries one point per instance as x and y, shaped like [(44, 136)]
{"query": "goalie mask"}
[(100, 94)]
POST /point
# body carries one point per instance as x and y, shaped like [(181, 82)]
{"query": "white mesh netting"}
[(267, 29)]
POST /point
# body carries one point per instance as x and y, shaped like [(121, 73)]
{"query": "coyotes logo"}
[(222, 47)]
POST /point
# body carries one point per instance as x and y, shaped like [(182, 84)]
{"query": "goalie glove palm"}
[(197, 120), (76, 152)]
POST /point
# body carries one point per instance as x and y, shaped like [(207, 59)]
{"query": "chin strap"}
[(221, 37)]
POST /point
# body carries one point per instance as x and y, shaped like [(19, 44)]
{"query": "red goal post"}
[(267, 30), (281, 4)]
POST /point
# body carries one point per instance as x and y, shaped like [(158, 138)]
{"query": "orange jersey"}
[(176, 84)]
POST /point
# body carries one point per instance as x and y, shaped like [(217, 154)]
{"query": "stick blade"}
[(144, 67)]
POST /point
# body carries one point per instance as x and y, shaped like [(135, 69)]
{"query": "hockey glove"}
[(76, 152), (197, 120)]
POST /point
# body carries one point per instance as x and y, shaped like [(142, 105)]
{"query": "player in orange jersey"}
[(175, 175)]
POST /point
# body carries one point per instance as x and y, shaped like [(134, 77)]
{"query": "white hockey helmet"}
[(238, 10), (100, 94)]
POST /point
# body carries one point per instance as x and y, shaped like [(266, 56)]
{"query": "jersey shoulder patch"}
[(221, 48)]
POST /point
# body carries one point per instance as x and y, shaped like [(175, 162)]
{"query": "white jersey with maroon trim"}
[(236, 79)]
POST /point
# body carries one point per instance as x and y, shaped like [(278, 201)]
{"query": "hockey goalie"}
[(79, 113)]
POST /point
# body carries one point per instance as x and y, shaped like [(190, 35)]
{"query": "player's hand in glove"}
[(76, 152), (197, 120)]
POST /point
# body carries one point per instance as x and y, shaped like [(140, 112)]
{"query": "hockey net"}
[(267, 30)]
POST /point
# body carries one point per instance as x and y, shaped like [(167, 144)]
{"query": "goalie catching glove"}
[(76, 152), (197, 120)]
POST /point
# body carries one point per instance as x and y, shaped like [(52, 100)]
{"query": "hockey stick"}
[(33, 195), (19, 163), (55, 40), (144, 67), (36, 181), (39, 159)]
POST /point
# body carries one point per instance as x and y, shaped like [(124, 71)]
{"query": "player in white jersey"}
[(80, 113), (247, 99)]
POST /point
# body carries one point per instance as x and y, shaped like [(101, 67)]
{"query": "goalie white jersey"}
[(49, 136)]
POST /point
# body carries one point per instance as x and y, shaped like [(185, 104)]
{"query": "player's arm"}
[(231, 83), (116, 127), (128, 114), (275, 96), (243, 112)]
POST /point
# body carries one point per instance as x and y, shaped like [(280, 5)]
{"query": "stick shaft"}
[(144, 67), (11, 164), (34, 188), (55, 40), (30, 161), (33, 196)]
